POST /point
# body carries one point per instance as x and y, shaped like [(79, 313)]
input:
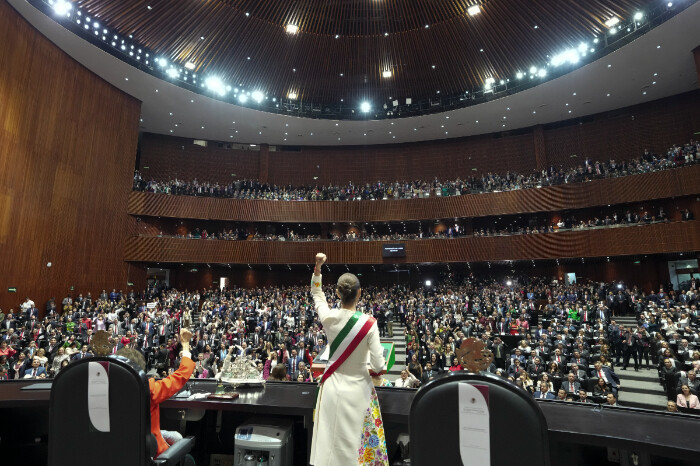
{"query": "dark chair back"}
[(514, 416), (73, 437)]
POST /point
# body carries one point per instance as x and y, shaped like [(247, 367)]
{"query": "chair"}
[(75, 439), (511, 409)]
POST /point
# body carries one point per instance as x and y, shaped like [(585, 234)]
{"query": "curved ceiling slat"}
[(504, 29)]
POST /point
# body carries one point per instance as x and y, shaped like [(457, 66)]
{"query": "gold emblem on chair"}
[(101, 346), (473, 355)]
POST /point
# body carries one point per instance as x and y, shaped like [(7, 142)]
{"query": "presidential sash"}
[(347, 341)]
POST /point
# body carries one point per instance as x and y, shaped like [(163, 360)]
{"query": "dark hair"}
[(348, 286)]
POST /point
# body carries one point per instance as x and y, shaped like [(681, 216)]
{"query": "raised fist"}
[(320, 258)]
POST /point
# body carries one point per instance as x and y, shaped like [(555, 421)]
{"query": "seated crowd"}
[(676, 156), (552, 339)]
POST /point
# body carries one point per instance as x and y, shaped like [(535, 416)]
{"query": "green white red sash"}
[(354, 331)]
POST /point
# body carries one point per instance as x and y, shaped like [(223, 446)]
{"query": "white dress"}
[(346, 402)]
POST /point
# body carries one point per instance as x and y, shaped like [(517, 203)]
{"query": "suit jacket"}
[(39, 370), (610, 376), (547, 396), (694, 402), (567, 387)]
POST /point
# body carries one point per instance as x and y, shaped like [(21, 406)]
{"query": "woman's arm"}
[(320, 304)]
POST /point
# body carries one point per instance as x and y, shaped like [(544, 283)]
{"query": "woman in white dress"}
[(348, 427)]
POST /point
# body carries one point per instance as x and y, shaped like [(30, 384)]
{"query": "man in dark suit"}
[(83, 353), (428, 374), (36, 371), (293, 362), (544, 393), (606, 374), (499, 352), (570, 385)]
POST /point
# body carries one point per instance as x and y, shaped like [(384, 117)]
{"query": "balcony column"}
[(540, 148), (264, 163)]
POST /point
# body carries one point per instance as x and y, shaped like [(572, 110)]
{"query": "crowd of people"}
[(676, 156), (521, 227), (553, 339)]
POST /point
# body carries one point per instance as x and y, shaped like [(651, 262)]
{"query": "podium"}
[(318, 365)]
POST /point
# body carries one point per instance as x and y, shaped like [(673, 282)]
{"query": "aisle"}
[(639, 389)]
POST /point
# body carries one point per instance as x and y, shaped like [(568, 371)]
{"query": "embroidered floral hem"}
[(373, 443)]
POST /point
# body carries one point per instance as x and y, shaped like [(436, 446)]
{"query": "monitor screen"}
[(394, 250)]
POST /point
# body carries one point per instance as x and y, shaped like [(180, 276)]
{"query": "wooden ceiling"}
[(343, 46)]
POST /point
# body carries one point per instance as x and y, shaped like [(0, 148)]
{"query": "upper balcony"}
[(650, 186)]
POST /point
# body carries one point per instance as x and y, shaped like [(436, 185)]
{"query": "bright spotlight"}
[(292, 95), (162, 62), (612, 21), (365, 107), (570, 56), (428, 283), (638, 16), (613, 31), (257, 96), (173, 73), (386, 74), (474, 10), (509, 283), (519, 75), (62, 7), (533, 70), (242, 98), (292, 28), (619, 286), (189, 65), (582, 47), (669, 4), (542, 73), (215, 84)]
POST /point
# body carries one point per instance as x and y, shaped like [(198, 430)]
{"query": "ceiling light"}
[(337, 36), (533, 70), (365, 107), (613, 31), (292, 28), (292, 95), (569, 56), (386, 74), (173, 73), (62, 7), (612, 21), (162, 62), (215, 84), (542, 73), (257, 96), (519, 75), (242, 98), (669, 4), (474, 10), (189, 65), (638, 16)]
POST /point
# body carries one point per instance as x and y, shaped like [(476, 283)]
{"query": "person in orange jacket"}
[(163, 389)]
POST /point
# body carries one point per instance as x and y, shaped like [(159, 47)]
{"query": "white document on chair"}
[(474, 434), (98, 396)]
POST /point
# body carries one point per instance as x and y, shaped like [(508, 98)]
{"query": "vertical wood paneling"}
[(67, 148)]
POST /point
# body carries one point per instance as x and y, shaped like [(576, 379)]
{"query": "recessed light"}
[(433, 66), (609, 66), (149, 7), (608, 95), (658, 46), (292, 28), (126, 79), (427, 26), (201, 38), (171, 113), (247, 14), (474, 10), (386, 34), (536, 26), (337, 36)]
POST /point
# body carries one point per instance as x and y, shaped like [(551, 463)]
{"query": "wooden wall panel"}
[(624, 134), (167, 158), (646, 239), (620, 134), (658, 185), (67, 150)]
